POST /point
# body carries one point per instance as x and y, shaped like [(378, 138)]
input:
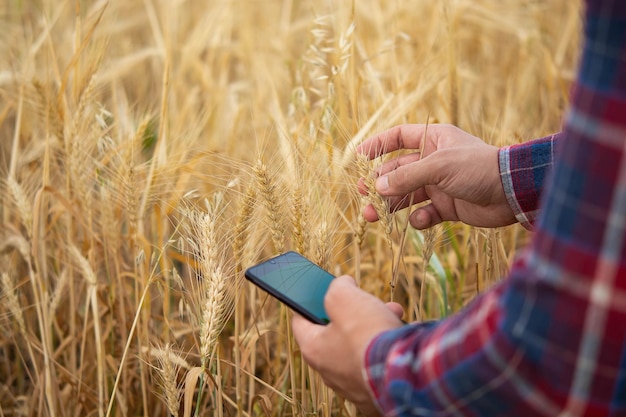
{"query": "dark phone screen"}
[(296, 281)]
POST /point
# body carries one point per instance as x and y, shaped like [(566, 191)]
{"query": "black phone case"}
[(253, 277)]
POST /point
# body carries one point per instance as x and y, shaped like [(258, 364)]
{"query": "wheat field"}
[(151, 150)]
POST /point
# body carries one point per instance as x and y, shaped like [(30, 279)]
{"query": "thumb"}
[(340, 290), (410, 177), (425, 217), (396, 309)]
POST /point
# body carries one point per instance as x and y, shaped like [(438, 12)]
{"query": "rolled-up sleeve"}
[(523, 171)]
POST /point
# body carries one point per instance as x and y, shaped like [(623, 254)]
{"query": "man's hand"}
[(457, 172), (337, 350)]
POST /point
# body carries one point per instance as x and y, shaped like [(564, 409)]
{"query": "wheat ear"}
[(168, 366), (244, 218), (269, 192), (379, 202), (213, 273), (323, 247), (13, 303), (90, 277), (300, 214), (23, 206), (361, 228)]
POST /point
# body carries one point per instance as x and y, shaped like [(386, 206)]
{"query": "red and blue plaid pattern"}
[(551, 339), (523, 169)]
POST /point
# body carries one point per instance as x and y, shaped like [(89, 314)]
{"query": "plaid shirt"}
[(551, 339)]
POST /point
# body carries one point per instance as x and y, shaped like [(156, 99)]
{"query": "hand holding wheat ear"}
[(457, 172)]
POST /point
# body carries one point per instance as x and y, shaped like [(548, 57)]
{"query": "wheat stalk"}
[(92, 299), (427, 252)]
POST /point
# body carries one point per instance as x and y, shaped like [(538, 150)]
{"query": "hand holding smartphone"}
[(296, 281)]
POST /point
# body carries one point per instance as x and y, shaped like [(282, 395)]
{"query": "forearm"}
[(518, 350), (463, 366), (523, 171)]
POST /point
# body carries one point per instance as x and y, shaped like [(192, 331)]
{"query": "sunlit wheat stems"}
[(405, 227), (429, 237), (13, 305), (291, 364), (188, 88), (92, 300), (452, 65), (37, 277), (127, 347), (427, 252), (240, 237)]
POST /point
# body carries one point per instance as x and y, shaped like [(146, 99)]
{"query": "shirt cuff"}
[(377, 361), (523, 171)]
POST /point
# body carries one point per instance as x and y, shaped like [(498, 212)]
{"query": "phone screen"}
[(296, 281)]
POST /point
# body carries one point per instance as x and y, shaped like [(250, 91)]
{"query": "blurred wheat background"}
[(151, 150)]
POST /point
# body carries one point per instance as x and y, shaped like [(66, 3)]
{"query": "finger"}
[(425, 217), (398, 137), (388, 167), (396, 309), (396, 204), (302, 328), (361, 187), (370, 214), (304, 331)]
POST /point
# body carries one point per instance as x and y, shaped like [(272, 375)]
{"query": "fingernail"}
[(382, 183)]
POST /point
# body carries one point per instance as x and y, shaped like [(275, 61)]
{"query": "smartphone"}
[(296, 281)]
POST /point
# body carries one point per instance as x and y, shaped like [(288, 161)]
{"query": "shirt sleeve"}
[(551, 339), (523, 171)]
